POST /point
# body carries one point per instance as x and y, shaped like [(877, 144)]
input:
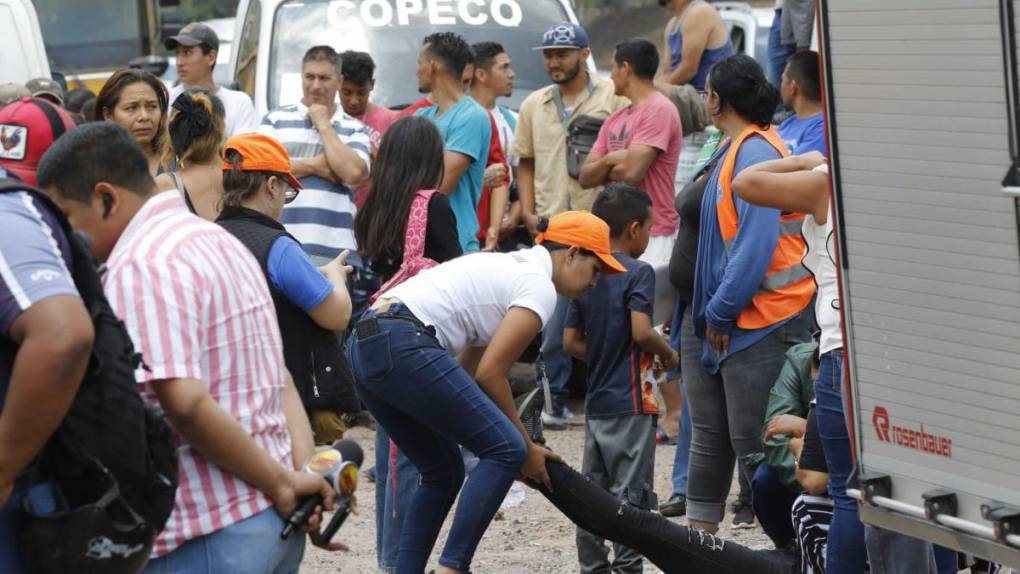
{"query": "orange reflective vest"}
[(787, 286)]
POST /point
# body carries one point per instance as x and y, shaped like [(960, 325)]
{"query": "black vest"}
[(313, 355)]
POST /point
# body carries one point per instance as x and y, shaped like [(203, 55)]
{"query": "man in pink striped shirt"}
[(198, 309)]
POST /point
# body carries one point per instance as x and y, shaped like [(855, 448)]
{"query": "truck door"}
[(921, 103)]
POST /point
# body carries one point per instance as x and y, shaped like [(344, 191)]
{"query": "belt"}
[(392, 310)]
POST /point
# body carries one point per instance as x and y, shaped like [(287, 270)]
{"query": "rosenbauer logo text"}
[(917, 439)]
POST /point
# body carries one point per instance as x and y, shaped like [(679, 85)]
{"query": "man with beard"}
[(544, 185)]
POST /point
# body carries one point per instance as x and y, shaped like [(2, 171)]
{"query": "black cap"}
[(194, 34)]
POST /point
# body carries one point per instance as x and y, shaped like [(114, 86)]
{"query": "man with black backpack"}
[(75, 436), (198, 309), (556, 128), (47, 339)]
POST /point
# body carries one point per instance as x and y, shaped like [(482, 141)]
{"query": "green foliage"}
[(198, 10)]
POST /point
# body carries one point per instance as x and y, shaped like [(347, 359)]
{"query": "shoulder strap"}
[(179, 183), (417, 224), (558, 100)]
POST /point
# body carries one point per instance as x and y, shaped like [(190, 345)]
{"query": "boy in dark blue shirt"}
[(610, 328)]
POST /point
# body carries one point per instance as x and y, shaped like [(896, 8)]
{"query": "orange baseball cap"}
[(260, 152), (585, 230)]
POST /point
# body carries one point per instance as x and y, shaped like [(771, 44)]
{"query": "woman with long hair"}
[(409, 161), (196, 132), (750, 294), (138, 102)]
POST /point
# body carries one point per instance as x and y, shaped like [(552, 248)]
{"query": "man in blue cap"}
[(545, 185)]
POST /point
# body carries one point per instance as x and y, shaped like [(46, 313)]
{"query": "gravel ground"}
[(534, 537)]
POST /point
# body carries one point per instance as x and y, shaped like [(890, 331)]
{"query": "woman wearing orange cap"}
[(311, 303), (484, 309)]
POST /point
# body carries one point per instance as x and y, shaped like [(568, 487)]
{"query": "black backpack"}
[(109, 432)]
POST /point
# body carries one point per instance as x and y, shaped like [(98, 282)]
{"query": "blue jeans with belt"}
[(429, 405), (846, 552)]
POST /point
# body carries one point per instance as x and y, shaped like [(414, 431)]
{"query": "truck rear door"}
[(921, 102)]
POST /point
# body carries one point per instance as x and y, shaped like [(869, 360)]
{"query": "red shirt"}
[(409, 110), (496, 156)]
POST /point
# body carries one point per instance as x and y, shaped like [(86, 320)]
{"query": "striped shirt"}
[(812, 516), (197, 307), (322, 216)]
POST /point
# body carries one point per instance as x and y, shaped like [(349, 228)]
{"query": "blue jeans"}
[(894, 553), (429, 405), (393, 496), (557, 363), (773, 502), (252, 545), (683, 440), (779, 53), (44, 499), (845, 553)]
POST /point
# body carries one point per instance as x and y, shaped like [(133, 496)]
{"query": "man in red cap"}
[(28, 128)]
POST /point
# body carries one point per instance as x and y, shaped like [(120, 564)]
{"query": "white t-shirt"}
[(240, 113), (465, 299), (820, 260)]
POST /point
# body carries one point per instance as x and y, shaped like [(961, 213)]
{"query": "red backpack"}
[(414, 243)]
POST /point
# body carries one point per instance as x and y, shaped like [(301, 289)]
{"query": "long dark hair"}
[(410, 158), (110, 95), (741, 85)]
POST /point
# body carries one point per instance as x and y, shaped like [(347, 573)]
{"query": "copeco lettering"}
[(379, 13), (919, 440)]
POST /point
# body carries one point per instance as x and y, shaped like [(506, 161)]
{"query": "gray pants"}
[(619, 455), (890, 552), (728, 411)]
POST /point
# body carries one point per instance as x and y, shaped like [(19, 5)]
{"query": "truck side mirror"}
[(155, 65)]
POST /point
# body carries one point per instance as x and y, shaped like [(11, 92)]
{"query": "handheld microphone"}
[(339, 465)]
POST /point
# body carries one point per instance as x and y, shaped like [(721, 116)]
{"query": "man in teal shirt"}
[(463, 123)]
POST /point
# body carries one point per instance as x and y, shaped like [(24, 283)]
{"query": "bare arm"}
[(54, 338), (783, 184), (454, 166), (574, 343), (634, 165), (334, 313), (498, 198), (526, 193), (343, 161), (313, 166), (301, 438), (814, 482), (649, 339), (519, 327), (221, 439), (697, 27)]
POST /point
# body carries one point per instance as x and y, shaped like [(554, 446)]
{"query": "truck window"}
[(392, 31), (247, 49), (95, 35)]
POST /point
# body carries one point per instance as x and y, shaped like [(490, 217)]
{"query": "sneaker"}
[(552, 422), (568, 415), (743, 515), (529, 408), (675, 506)]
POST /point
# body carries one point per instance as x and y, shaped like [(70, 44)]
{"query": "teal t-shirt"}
[(466, 128)]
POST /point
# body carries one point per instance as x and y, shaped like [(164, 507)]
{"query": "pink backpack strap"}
[(417, 223)]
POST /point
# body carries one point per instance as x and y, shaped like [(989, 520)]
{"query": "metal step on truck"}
[(922, 107)]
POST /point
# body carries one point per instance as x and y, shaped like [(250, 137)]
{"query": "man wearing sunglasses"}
[(311, 303)]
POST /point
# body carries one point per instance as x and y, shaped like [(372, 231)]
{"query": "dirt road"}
[(533, 537)]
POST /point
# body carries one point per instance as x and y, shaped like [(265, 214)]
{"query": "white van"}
[(23, 56), (271, 36)]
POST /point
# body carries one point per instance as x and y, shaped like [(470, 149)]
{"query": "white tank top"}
[(820, 260)]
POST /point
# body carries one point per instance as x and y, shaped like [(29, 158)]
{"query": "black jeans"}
[(670, 546)]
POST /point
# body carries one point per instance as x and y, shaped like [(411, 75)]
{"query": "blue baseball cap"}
[(564, 35)]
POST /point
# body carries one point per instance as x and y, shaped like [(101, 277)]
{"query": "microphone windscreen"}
[(350, 451)]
